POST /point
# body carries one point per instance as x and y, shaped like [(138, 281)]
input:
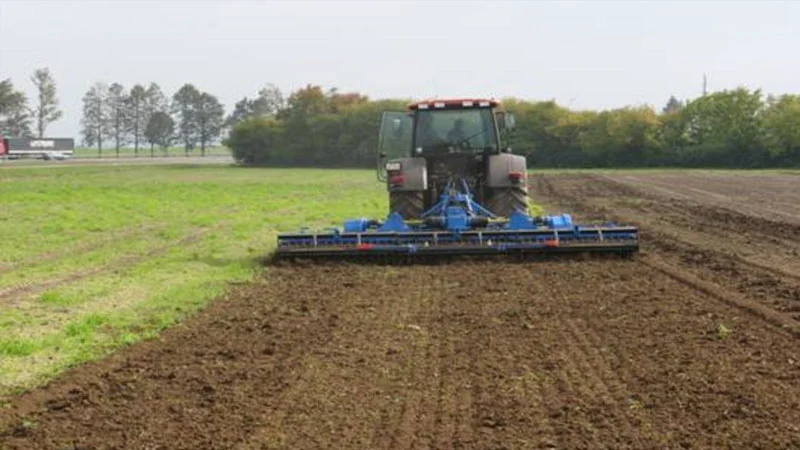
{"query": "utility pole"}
[(705, 85)]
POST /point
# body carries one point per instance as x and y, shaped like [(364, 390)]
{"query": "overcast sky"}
[(582, 54)]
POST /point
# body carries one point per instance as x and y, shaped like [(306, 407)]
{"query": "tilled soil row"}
[(751, 256), (589, 354), (773, 196)]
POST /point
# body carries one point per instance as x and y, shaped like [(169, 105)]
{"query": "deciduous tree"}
[(673, 106), (155, 100), (184, 109), (159, 130), (45, 111), (269, 102), (118, 102), (137, 114), (782, 128), (14, 113), (96, 120), (210, 116)]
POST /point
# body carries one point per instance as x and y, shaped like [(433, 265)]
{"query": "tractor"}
[(455, 188), (443, 140)]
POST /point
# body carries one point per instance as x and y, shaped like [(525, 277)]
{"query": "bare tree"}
[(46, 110)]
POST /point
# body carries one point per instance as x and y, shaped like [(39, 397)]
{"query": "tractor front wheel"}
[(408, 204)]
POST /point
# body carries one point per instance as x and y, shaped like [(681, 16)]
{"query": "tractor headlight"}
[(391, 166)]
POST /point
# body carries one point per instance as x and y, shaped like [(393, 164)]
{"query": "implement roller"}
[(459, 192)]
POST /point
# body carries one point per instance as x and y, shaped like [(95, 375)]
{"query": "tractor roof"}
[(455, 103)]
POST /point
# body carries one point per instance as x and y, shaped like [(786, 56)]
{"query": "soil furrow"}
[(772, 196), (614, 393), (708, 257), (415, 426), (283, 364)]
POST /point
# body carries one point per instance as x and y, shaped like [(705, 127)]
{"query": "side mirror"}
[(501, 120), (510, 122)]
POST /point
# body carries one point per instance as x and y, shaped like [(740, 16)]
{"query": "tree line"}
[(146, 115), (116, 115), (313, 126), (738, 128)]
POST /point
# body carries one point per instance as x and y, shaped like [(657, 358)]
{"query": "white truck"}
[(39, 148)]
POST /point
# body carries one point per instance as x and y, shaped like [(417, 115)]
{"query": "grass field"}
[(92, 258), (144, 151)]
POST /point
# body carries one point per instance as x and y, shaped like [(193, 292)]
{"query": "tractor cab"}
[(437, 127), (457, 142)]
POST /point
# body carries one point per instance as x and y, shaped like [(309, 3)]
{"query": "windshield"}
[(455, 130)]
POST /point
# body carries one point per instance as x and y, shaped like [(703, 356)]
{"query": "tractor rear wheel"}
[(504, 201), (408, 204)]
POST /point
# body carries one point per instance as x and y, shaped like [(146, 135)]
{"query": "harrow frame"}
[(455, 226)]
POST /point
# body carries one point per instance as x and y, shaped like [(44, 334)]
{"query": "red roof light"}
[(450, 103)]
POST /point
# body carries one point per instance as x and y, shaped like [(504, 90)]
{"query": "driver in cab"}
[(456, 135)]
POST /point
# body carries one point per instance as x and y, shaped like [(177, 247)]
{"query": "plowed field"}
[(692, 344)]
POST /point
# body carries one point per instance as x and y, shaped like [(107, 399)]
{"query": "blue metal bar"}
[(457, 232)]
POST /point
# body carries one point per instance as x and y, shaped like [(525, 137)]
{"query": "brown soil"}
[(743, 253), (690, 345), (772, 196)]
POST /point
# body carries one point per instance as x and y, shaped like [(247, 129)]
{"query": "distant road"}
[(116, 162)]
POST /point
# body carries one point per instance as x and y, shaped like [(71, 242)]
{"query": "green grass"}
[(17, 347), (112, 255)]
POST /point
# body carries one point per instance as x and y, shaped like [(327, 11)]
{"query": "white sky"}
[(582, 54)]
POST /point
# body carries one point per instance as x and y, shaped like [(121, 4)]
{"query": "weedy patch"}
[(723, 332), (57, 298), (18, 347)]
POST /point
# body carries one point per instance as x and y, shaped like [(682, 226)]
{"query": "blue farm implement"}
[(457, 225), (456, 189)]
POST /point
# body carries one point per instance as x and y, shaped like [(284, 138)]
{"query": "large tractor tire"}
[(409, 204), (504, 201)]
